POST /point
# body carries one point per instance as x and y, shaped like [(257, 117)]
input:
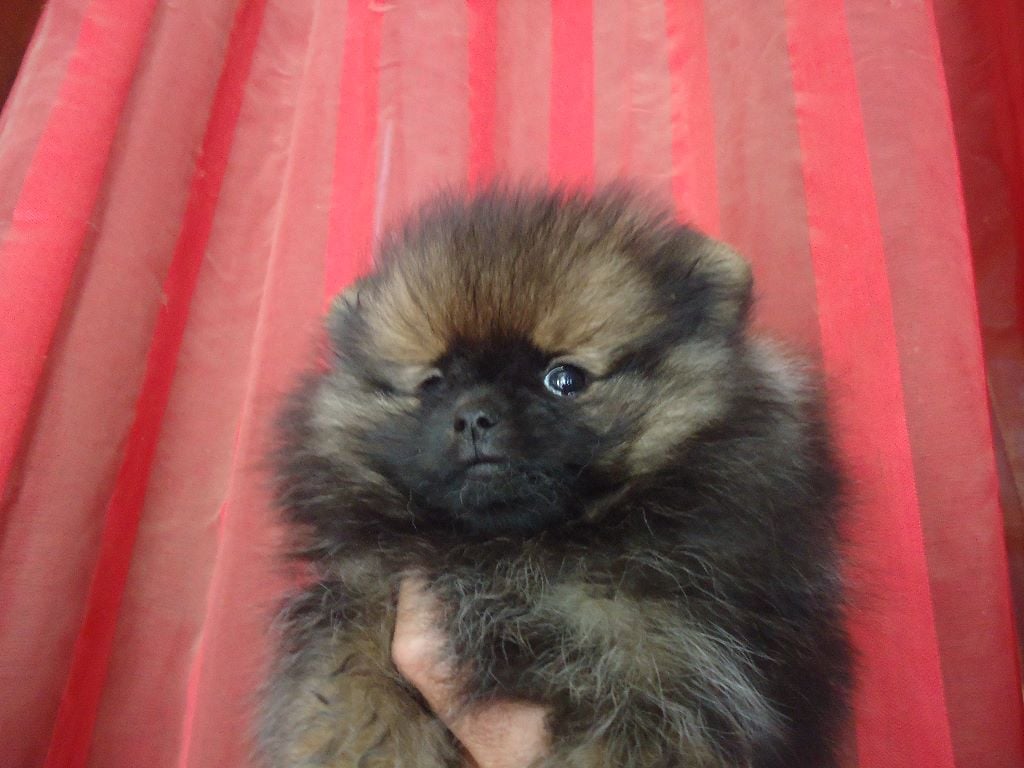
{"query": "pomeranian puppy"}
[(548, 406)]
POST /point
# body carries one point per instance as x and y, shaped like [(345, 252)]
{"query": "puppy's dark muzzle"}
[(480, 432)]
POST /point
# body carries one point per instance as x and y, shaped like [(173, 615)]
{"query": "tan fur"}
[(414, 317), (691, 399), (639, 645), (585, 314), (401, 325), (342, 410), (719, 259), (350, 709)]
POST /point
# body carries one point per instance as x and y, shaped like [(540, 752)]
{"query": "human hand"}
[(506, 734)]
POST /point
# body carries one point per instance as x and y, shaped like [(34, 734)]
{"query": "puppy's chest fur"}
[(575, 634), (523, 626), (571, 630)]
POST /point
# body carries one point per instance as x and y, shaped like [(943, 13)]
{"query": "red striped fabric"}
[(167, 261), (269, 352), (758, 165), (694, 175), (981, 48), (571, 139), (525, 55), (258, 297), (355, 172), (482, 50), (901, 709), (51, 214), (426, 116), (73, 727), (928, 262)]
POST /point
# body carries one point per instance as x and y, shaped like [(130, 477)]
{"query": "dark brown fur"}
[(655, 559)]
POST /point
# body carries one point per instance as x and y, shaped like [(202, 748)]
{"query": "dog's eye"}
[(565, 380), (430, 383)]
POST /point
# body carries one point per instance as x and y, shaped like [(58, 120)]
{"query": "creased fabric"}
[(184, 185)]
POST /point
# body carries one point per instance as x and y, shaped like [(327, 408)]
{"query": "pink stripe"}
[(195, 671), (694, 175), (350, 237), (627, 165), (757, 155), (51, 216), (483, 94), (901, 716), (217, 690), (899, 64), (523, 109), (72, 733), (571, 150)]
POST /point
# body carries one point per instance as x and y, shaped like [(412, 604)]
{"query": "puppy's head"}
[(519, 358)]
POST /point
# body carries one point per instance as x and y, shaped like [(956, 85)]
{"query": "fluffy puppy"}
[(548, 405)]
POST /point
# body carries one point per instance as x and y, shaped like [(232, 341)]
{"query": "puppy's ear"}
[(342, 316), (718, 283), (732, 275)]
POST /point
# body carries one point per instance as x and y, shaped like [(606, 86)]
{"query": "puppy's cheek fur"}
[(614, 410), (691, 394), (344, 405), (344, 415), (645, 420)]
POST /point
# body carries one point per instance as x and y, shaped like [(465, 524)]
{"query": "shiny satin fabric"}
[(183, 186)]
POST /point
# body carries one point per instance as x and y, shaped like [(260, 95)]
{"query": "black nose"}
[(477, 420)]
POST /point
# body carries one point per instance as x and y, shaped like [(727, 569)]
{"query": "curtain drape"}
[(184, 184)]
